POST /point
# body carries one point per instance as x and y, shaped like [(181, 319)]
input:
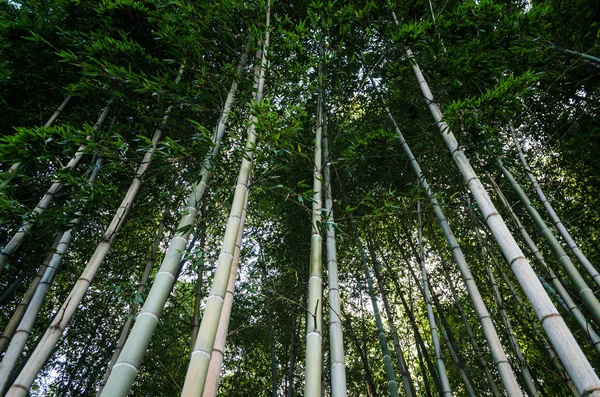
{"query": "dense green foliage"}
[(488, 63)]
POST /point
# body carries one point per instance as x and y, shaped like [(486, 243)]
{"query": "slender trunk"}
[(19, 339), (53, 334), (585, 293), (583, 260), (499, 356), (451, 344), (570, 353), (445, 383), (272, 349), (217, 356), (536, 329), (314, 324), (421, 349), (559, 292), (409, 388), (11, 247), (17, 316), (199, 274), (336, 340), (125, 369), (294, 349), (51, 121), (143, 282), (363, 359), (525, 374), (476, 348), (387, 361), (201, 356)]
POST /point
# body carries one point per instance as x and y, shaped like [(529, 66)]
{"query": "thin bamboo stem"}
[(53, 334), (581, 258), (562, 339), (15, 242), (195, 379), (499, 356)]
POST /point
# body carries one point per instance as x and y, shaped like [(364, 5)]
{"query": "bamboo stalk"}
[(407, 382), (314, 325), (387, 361), (570, 353), (125, 369), (30, 315), (198, 367), (15, 242), (585, 293), (581, 258), (54, 332), (500, 360), (445, 383), (559, 292), (143, 282), (218, 352)]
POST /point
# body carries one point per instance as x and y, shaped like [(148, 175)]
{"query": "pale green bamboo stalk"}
[(143, 282), (525, 373), (566, 347), (314, 322), (445, 383), (336, 340), (387, 360), (536, 329), (476, 348), (218, 353), (127, 366), (581, 258), (584, 291), (51, 337), (19, 312), (22, 332), (15, 242), (198, 367), (407, 382), (13, 168), (559, 292), (489, 330)]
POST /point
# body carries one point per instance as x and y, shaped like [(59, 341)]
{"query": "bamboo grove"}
[(320, 198)]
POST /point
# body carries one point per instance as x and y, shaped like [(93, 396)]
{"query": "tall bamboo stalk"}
[(314, 323), (336, 340), (17, 316), (525, 373), (445, 383), (581, 258), (140, 291), (199, 277), (584, 291), (407, 382), (570, 353), (218, 352), (536, 329), (452, 346), (15, 242), (500, 360), (54, 332), (201, 356), (387, 360), (363, 358), (125, 369), (559, 292), (476, 348), (23, 330)]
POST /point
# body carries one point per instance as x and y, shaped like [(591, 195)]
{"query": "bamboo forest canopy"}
[(306, 198)]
